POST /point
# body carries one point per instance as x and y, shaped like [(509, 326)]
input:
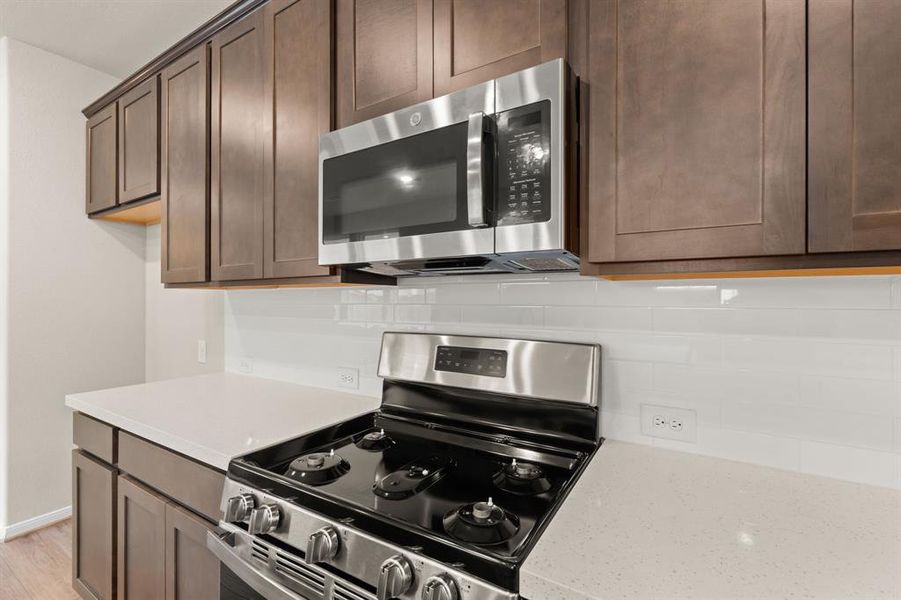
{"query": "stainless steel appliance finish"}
[(362, 556), (541, 370), (498, 232), (440, 494)]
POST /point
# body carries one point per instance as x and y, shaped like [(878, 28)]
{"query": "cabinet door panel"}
[(855, 122), (100, 149), (192, 571), (383, 56), (93, 527), (697, 129), (299, 87), (238, 141), (142, 542), (185, 169), (139, 142), (476, 40)]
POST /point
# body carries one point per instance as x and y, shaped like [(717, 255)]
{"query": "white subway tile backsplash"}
[(551, 293), (657, 293), (801, 373), (600, 317), (853, 464), (851, 429), (802, 356), (868, 396), (803, 292)]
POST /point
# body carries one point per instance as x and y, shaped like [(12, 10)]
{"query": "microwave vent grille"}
[(544, 263)]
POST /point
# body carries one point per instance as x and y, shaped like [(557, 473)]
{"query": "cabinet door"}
[(383, 55), (854, 193), (185, 169), (93, 527), (142, 542), (477, 40), (100, 150), (238, 146), (139, 142), (696, 140), (298, 86), (192, 571)]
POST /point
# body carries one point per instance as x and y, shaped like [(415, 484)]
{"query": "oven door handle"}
[(217, 542), (475, 170)]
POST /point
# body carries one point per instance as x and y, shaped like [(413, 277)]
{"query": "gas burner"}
[(375, 441), (412, 478), (318, 468), (523, 479), (482, 523)]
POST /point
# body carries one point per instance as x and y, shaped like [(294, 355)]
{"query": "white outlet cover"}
[(658, 421), (347, 377), (245, 365), (201, 351)]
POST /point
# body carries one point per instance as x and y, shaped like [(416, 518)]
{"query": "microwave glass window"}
[(412, 186)]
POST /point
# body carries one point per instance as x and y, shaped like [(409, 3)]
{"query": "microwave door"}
[(409, 185)]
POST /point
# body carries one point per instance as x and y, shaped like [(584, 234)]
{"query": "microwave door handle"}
[(475, 171)]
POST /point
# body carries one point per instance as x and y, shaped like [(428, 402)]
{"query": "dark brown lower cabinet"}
[(192, 571), (142, 542), (93, 527)]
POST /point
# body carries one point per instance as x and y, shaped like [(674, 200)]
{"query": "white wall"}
[(75, 286), (798, 373), (176, 320)]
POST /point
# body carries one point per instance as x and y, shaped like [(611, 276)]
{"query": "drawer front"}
[(94, 437), (188, 482)]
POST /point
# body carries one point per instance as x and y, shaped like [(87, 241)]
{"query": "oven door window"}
[(412, 186)]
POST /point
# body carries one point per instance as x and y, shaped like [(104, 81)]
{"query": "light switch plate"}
[(669, 422)]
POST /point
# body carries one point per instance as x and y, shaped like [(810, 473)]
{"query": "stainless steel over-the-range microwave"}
[(474, 181)]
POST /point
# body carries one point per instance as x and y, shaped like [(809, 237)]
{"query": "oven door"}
[(413, 184)]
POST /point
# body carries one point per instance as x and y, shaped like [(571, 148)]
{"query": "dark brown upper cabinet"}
[(696, 135), (139, 142), (476, 40), (102, 165), (383, 57), (854, 96), (298, 101), (185, 169), (239, 136)]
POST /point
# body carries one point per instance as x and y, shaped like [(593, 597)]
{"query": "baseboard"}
[(28, 525)]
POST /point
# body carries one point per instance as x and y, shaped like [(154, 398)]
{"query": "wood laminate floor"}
[(38, 566)]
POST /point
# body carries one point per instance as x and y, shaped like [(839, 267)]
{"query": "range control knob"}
[(395, 577), (440, 587), (264, 519), (322, 546), (238, 508)]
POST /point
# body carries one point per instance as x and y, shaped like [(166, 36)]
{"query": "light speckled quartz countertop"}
[(645, 523), (213, 418)]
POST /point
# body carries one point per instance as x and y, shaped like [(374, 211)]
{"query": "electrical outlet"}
[(348, 377), (669, 422), (245, 365), (201, 351)]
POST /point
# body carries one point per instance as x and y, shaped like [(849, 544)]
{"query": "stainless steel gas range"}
[(438, 495)]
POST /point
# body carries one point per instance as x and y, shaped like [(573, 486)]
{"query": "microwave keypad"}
[(524, 159)]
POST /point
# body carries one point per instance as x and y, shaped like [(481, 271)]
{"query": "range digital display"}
[(474, 361)]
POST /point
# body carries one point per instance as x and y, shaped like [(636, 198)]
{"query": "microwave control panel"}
[(524, 164)]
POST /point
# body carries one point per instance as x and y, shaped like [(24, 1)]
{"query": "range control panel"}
[(474, 361), (524, 164)]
